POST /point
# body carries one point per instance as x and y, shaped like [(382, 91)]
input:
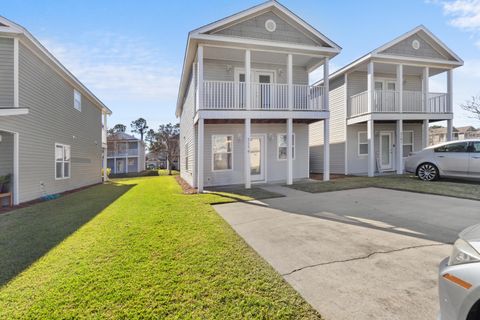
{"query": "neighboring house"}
[(52, 138), (159, 160), (126, 153), (439, 134), (468, 132), (381, 105), (245, 101)]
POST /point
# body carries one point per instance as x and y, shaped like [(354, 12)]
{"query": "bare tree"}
[(166, 140), (139, 126), (473, 107)]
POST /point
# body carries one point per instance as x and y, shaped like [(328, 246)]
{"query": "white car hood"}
[(472, 236)]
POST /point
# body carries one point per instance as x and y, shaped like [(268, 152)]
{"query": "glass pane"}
[(222, 161), (282, 141), (408, 137), (66, 170), (67, 153), (241, 77), (407, 150), (362, 137), (363, 149), (476, 147), (385, 150), (378, 85), (264, 79), (391, 86), (58, 153), (58, 170), (120, 166), (222, 144), (282, 153), (255, 156), (454, 147)]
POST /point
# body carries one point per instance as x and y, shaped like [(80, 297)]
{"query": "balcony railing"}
[(122, 153), (230, 95), (388, 101)]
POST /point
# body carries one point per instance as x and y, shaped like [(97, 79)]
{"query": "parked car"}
[(451, 159), (459, 278)]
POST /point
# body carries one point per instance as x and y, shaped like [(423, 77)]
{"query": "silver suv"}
[(451, 159)]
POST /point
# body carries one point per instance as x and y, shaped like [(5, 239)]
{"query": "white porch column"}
[(105, 150), (371, 148), (399, 146), (290, 80), (449, 130), (200, 155), (289, 151), (425, 135), (426, 75), (400, 86), (326, 149), (326, 84), (246, 149), (370, 86), (16, 169), (200, 77), (248, 80), (450, 90)]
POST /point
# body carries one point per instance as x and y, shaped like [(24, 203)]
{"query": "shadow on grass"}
[(27, 234), (222, 195)]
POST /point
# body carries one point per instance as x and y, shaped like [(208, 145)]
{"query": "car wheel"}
[(427, 172)]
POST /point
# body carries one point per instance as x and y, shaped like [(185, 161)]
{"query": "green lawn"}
[(137, 248), (452, 188)]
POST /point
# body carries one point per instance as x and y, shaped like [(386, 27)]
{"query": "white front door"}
[(386, 150), (257, 157), (263, 94)]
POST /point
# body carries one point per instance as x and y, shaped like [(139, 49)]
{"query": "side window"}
[(453, 147), (362, 143), (476, 146), (77, 100)]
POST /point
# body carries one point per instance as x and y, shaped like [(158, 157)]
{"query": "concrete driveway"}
[(357, 254)]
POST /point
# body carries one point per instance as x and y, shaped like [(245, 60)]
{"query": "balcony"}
[(231, 95), (387, 101), (122, 153)]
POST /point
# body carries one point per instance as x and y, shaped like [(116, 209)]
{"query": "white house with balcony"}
[(381, 105), (125, 154), (245, 102)]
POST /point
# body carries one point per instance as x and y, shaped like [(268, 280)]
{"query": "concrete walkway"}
[(358, 254)]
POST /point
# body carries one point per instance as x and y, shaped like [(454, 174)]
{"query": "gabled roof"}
[(328, 46), (421, 30), (10, 28)]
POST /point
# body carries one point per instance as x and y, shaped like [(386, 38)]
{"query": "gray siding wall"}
[(187, 136), (6, 72), (217, 70), (357, 82), (404, 48), (6, 153), (359, 164), (275, 169), (53, 119), (337, 132), (255, 28)]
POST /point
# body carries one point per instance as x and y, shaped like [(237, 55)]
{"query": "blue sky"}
[(130, 53)]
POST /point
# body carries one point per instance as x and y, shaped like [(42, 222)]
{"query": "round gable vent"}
[(416, 44), (270, 25)]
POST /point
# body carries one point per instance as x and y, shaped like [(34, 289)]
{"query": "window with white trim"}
[(362, 143), (62, 161), (187, 152), (222, 152), (407, 143), (282, 146), (77, 100)]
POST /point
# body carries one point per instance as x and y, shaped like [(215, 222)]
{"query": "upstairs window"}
[(62, 161), (77, 100)]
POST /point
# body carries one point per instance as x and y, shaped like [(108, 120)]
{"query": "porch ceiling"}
[(228, 54)]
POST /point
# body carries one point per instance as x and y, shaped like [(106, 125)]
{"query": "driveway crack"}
[(364, 257)]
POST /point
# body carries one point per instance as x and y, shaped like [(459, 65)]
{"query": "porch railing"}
[(122, 153), (388, 101), (231, 95)]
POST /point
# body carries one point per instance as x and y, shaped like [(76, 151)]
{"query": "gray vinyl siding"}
[(404, 48), (276, 170), (217, 70), (6, 72), (52, 119), (6, 153), (255, 28), (337, 132), (188, 136), (359, 164), (357, 82)]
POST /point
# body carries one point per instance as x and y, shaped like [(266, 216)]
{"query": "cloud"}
[(117, 67), (465, 14)]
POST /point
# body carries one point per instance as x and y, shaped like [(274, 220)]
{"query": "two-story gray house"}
[(245, 102), (126, 154), (381, 105), (51, 134)]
